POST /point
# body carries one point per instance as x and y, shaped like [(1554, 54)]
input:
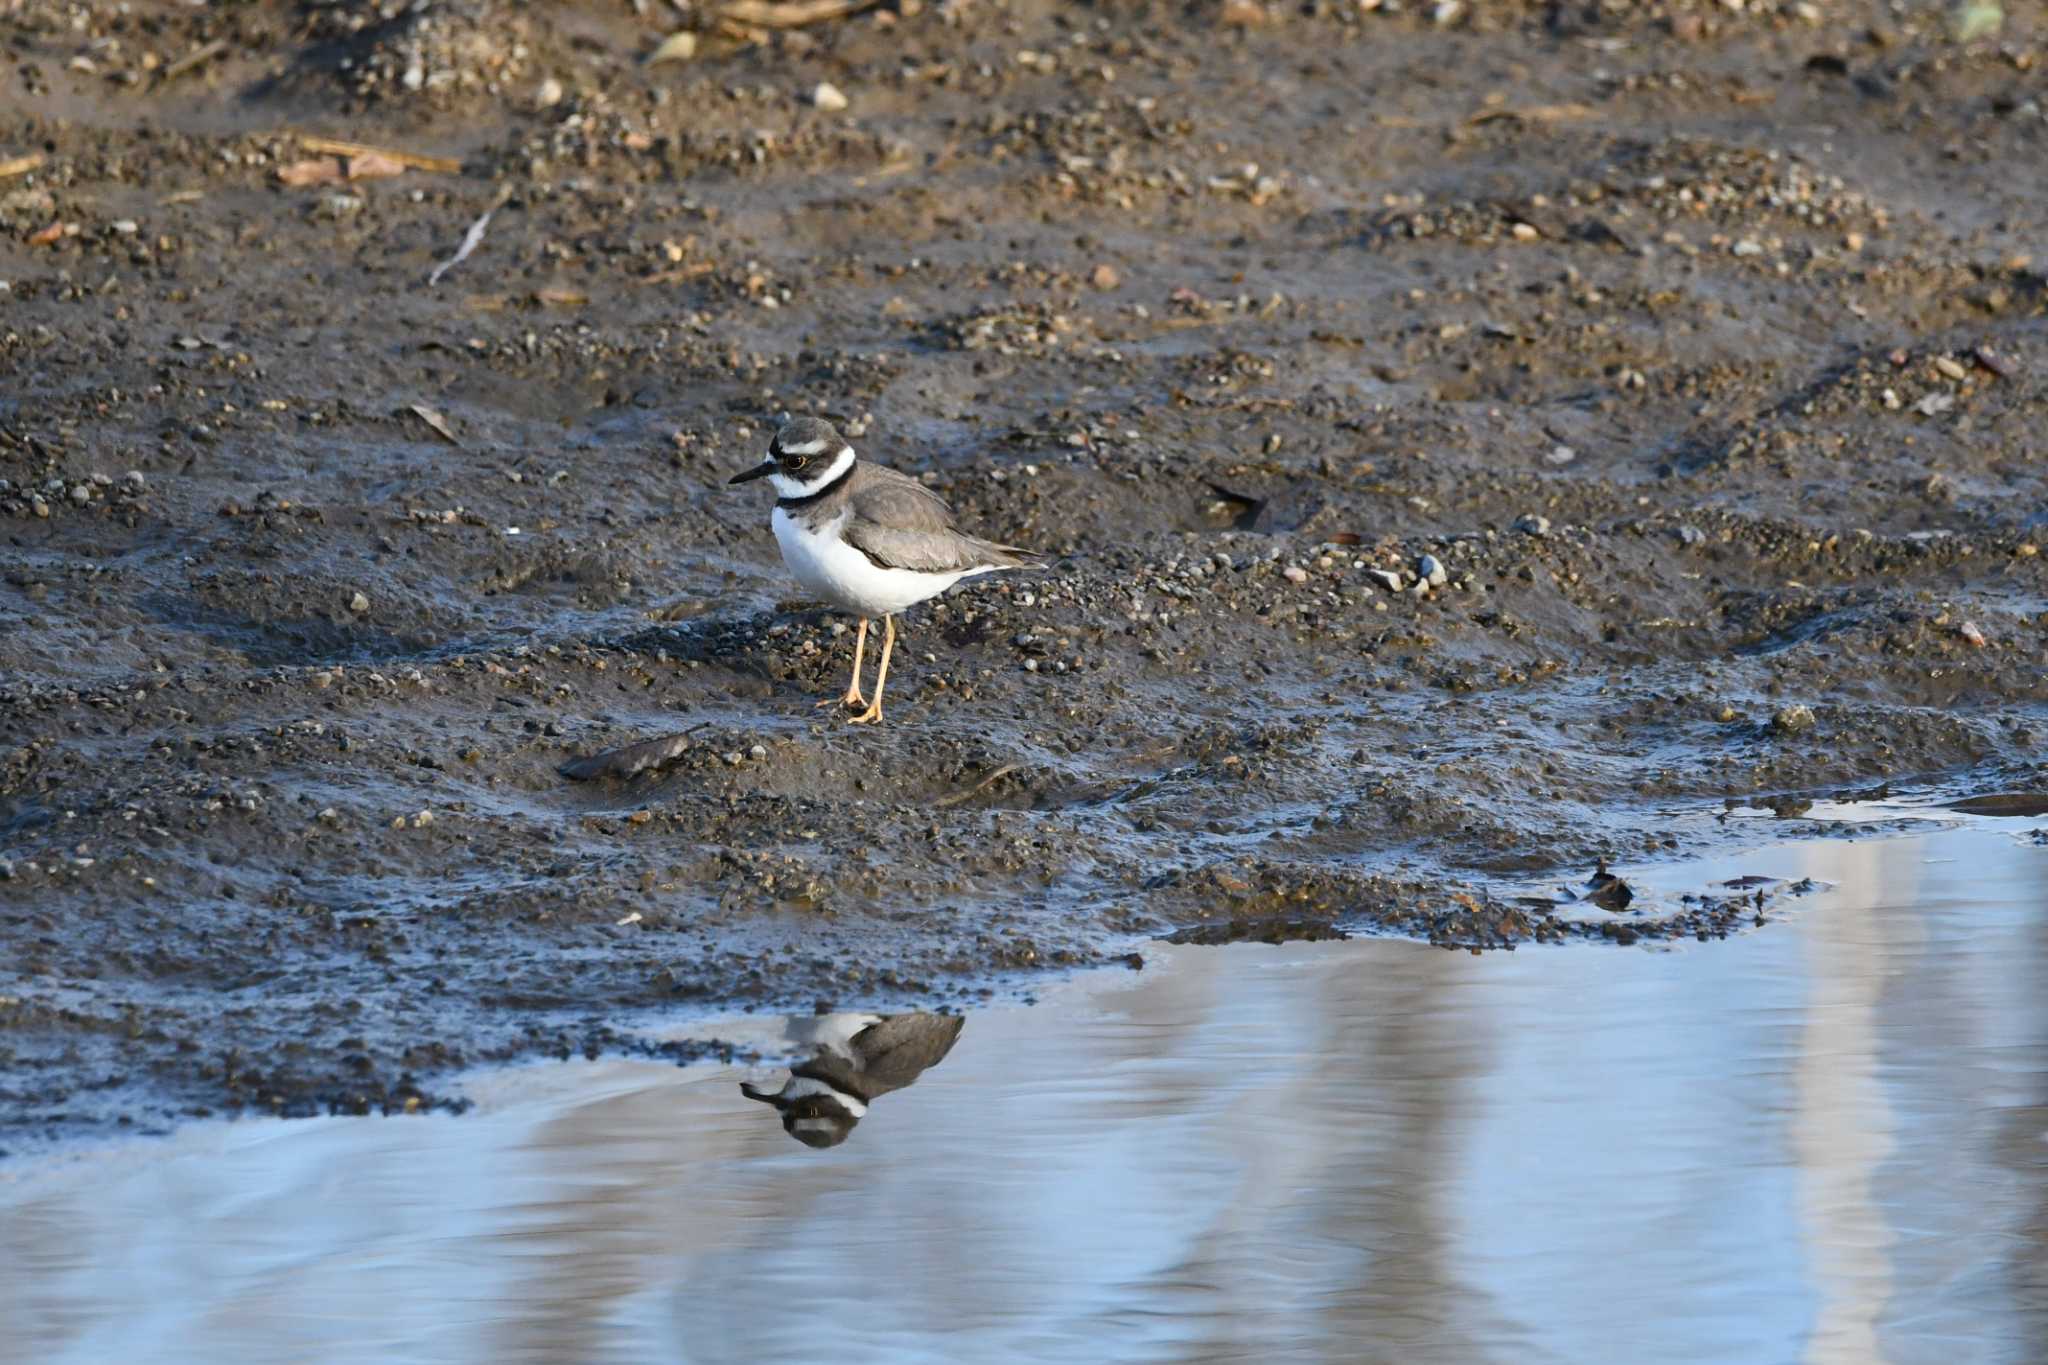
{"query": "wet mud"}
[(1476, 445)]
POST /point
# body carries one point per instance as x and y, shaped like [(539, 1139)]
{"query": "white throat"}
[(787, 487), (804, 1087)]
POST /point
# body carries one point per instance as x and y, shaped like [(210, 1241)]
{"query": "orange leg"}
[(874, 711), (853, 696)]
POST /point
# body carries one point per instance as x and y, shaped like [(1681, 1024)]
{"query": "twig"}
[(1536, 113), (445, 165), (957, 797), (696, 270), (203, 53), (791, 13), (20, 165)]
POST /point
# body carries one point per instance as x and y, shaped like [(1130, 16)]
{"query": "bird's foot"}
[(870, 716), (852, 698)]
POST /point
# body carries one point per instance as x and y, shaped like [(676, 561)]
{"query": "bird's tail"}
[(1010, 556)]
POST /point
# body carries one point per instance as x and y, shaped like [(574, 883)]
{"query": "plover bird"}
[(855, 1059), (867, 540)]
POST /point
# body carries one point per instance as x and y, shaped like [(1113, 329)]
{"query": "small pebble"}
[(1793, 719), (359, 604), (1531, 524), (1430, 570), (829, 97), (1295, 573), (1386, 578), (1968, 630), (758, 751)]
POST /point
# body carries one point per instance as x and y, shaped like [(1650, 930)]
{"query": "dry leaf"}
[(321, 170), (374, 166), (564, 298), (47, 235), (791, 13), (436, 421), (677, 47)]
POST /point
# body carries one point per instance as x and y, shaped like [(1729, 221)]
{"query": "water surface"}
[(1821, 1141)]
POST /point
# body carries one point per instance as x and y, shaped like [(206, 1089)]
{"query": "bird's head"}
[(804, 456), (813, 1114)]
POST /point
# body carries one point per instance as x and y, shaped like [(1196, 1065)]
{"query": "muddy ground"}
[(1702, 347)]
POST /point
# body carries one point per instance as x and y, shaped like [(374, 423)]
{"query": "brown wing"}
[(899, 523), (903, 1047)]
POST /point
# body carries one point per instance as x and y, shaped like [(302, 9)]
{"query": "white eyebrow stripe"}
[(807, 448)]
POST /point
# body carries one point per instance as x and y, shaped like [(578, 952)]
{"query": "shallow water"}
[(1823, 1140)]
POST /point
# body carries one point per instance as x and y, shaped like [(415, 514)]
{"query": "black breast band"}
[(793, 504)]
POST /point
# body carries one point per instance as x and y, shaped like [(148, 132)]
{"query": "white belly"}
[(848, 579)]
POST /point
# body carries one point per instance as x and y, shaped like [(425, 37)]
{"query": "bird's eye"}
[(799, 461)]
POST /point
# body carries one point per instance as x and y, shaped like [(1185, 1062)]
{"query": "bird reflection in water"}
[(854, 1059)]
